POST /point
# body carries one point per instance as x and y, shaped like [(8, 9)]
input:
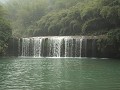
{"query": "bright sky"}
[(3, 1)]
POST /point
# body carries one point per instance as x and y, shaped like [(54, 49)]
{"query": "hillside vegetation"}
[(5, 31), (63, 17)]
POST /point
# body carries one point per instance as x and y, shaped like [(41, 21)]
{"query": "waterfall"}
[(63, 46), (81, 40), (54, 45), (25, 46), (68, 47), (85, 41), (93, 47), (37, 47)]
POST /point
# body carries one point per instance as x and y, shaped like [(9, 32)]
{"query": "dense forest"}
[(5, 31), (61, 18)]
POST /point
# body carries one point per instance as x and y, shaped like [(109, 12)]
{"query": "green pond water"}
[(59, 74)]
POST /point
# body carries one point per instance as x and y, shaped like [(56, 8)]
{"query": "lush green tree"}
[(23, 14), (5, 32), (63, 17)]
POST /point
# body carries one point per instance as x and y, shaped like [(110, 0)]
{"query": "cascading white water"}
[(67, 47), (54, 46), (78, 47), (93, 48), (81, 40), (25, 46), (37, 47), (85, 41)]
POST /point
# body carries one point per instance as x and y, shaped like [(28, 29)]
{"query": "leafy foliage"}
[(5, 32), (63, 17), (114, 36)]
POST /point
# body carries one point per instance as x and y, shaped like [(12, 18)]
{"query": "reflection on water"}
[(59, 74)]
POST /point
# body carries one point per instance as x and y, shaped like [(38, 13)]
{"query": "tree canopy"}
[(63, 17), (5, 31), (60, 18)]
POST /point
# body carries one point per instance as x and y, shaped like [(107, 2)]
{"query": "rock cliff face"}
[(62, 46), (12, 49)]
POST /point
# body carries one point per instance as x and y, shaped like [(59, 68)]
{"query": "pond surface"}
[(59, 74)]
